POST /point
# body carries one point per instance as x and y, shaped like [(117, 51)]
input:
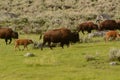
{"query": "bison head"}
[(15, 35), (95, 26), (74, 37)]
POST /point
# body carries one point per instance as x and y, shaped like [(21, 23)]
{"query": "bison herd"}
[(104, 25), (64, 36)]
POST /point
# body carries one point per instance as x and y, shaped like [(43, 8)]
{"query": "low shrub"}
[(114, 54), (90, 57)]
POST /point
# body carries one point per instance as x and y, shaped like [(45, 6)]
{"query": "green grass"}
[(58, 64)]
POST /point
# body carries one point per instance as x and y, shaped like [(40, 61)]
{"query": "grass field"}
[(59, 64)]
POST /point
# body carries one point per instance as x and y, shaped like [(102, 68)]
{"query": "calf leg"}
[(118, 36), (6, 40), (17, 46), (25, 46)]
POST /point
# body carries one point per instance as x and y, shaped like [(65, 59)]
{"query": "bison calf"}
[(23, 42), (111, 34)]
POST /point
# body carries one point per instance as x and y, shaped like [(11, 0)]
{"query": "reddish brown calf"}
[(111, 34), (23, 42)]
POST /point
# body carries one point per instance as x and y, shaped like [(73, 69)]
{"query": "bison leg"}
[(83, 31), (89, 31), (10, 40), (68, 44), (62, 45), (6, 40), (49, 44), (107, 38), (114, 38)]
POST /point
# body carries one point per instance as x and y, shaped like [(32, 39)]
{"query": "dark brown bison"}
[(111, 34), (15, 35), (118, 24), (62, 36), (74, 37), (8, 34), (87, 26), (23, 42), (108, 25)]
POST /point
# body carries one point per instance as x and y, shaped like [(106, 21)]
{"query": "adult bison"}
[(87, 26), (118, 24), (62, 36), (108, 25), (8, 34)]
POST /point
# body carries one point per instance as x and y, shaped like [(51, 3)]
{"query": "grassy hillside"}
[(47, 14)]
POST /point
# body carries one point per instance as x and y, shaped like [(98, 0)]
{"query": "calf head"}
[(30, 41)]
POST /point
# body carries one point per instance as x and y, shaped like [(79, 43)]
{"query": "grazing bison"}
[(108, 25), (111, 34), (8, 34), (23, 42), (62, 36), (87, 26)]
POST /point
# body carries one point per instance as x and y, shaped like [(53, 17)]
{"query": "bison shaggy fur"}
[(62, 36), (108, 25)]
